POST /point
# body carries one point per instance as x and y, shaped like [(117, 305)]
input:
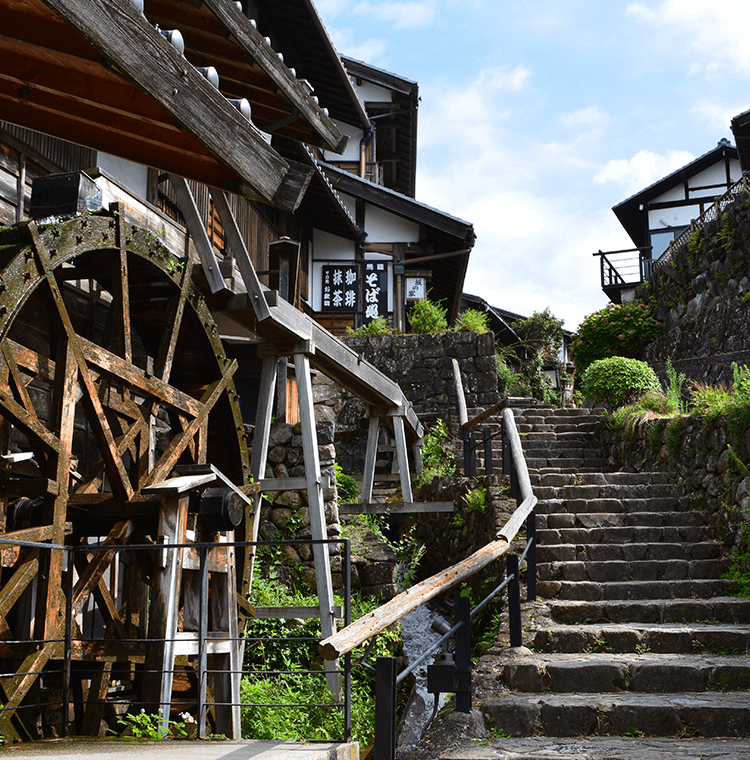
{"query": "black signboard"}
[(375, 290), (341, 287)]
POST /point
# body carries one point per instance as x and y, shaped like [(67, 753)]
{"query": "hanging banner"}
[(376, 290), (340, 287)]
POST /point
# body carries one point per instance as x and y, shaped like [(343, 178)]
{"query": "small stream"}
[(417, 635)]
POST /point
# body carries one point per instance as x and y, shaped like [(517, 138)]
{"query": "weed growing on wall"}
[(474, 321), (615, 330), (428, 317), (438, 455), (378, 326), (313, 717)]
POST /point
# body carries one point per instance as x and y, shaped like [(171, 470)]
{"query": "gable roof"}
[(308, 47), (99, 73), (630, 212), (451, 238), (397, 152)]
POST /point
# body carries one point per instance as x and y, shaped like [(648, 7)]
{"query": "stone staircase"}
[(633, 633)]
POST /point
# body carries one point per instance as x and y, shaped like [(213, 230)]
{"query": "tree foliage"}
[(615, 330)]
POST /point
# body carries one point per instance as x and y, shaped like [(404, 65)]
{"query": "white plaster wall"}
[(674, 217), (133, 176), (369, 92), (350, 204), (351, 152), (325, 248), (676, 193), (383, 227)]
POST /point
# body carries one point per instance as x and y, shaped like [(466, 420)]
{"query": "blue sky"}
[(537, 117)]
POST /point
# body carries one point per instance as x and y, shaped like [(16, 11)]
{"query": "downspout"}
[(366, 137)]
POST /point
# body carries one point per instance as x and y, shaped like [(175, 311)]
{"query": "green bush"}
[(428, 317), (438, 455), (474, 321), (507, 379), (378, 326), (616, 330), (618, 380), (347, 489)]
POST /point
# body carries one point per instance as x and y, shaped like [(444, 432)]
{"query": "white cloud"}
[(372, 51), (717, 118), (401, 15), (330, 8), (467, 117), (480, 163), (592, 117), (714, 31), (643, 169)]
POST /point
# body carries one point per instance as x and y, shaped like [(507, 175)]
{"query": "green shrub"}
[(616, 330), (428, 317), (618, 380), (507, 379), (347, 489), (378, 326), (438, 455), (474, 321), (675, 383)]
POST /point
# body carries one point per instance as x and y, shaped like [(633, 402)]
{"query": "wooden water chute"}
[(113, 375)]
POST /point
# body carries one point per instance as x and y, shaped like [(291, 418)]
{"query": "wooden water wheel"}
[(112, 373)]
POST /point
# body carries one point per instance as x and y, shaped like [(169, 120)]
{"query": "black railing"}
[(624, 268)]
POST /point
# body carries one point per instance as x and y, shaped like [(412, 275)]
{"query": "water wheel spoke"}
[(120, 279), (179, 443), (173, 323), (103, 598), (95, 412)]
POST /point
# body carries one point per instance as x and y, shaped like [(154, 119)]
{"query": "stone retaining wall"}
[(702, 299), (697, 454)]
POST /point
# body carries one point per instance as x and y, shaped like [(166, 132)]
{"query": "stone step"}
[(619, 519), (648, 673), (686, 639), (557, 478), (591, 591), (566, 464), (721, 609), (705, 550), (636, 535), (555, 448), (649, 570), (633, 714), (613, 505), (557, 436), (609, 491), (572, 426), (481, 744)]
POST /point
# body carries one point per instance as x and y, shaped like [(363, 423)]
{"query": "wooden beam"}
[(369, 625), (198, 232), (486, 414), (396, 508)]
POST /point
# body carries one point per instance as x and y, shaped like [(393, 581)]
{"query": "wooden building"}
[(175, 188), (656, 216)]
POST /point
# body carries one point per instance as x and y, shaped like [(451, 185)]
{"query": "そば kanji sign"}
[(375, 290)]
